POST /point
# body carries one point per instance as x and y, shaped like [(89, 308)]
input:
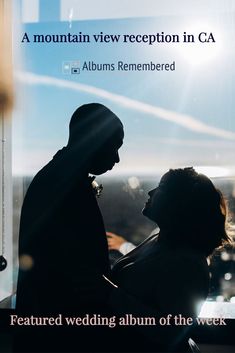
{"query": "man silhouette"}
[(63, 249)]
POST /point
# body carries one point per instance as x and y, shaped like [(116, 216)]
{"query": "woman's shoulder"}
[(188, 260)]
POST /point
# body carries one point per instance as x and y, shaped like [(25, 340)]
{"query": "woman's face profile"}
[(156, 201)]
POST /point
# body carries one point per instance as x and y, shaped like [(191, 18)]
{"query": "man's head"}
[(97, 133)]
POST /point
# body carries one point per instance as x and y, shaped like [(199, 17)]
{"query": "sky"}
[(171, 119), (35, 10)]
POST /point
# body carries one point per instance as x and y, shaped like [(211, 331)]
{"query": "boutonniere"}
[(97, 188)]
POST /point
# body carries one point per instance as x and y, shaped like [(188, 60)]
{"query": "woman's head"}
[(190, 209)]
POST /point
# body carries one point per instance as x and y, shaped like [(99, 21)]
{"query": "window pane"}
[(180, 116)]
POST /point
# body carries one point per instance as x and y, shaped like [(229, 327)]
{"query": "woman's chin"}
[(145, 211)]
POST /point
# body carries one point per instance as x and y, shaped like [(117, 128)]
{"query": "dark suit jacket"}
[(62, 231), (157, 279)]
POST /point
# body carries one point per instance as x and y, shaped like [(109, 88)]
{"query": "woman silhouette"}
[(168, 273)]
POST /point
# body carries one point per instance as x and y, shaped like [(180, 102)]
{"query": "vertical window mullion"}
[(6, 210)]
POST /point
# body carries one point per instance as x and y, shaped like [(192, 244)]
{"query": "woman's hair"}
[(193, 210)]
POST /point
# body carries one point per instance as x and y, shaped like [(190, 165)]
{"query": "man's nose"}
[(151, 192), (117, 158)]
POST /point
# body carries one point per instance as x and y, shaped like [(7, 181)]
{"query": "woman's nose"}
[(151, 192)]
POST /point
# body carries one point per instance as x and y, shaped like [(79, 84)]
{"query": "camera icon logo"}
[(75, 70), (75, 67), (71, 67)]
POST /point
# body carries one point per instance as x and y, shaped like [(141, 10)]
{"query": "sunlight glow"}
[(207, 45), (213, 171), (184, 120)]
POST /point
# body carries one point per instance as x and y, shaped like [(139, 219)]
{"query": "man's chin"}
[(100, 171)]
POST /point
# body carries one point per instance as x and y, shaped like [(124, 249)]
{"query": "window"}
[(177, 117)]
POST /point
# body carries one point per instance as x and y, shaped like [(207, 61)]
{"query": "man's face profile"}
[(96, 133), (107, 155)]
